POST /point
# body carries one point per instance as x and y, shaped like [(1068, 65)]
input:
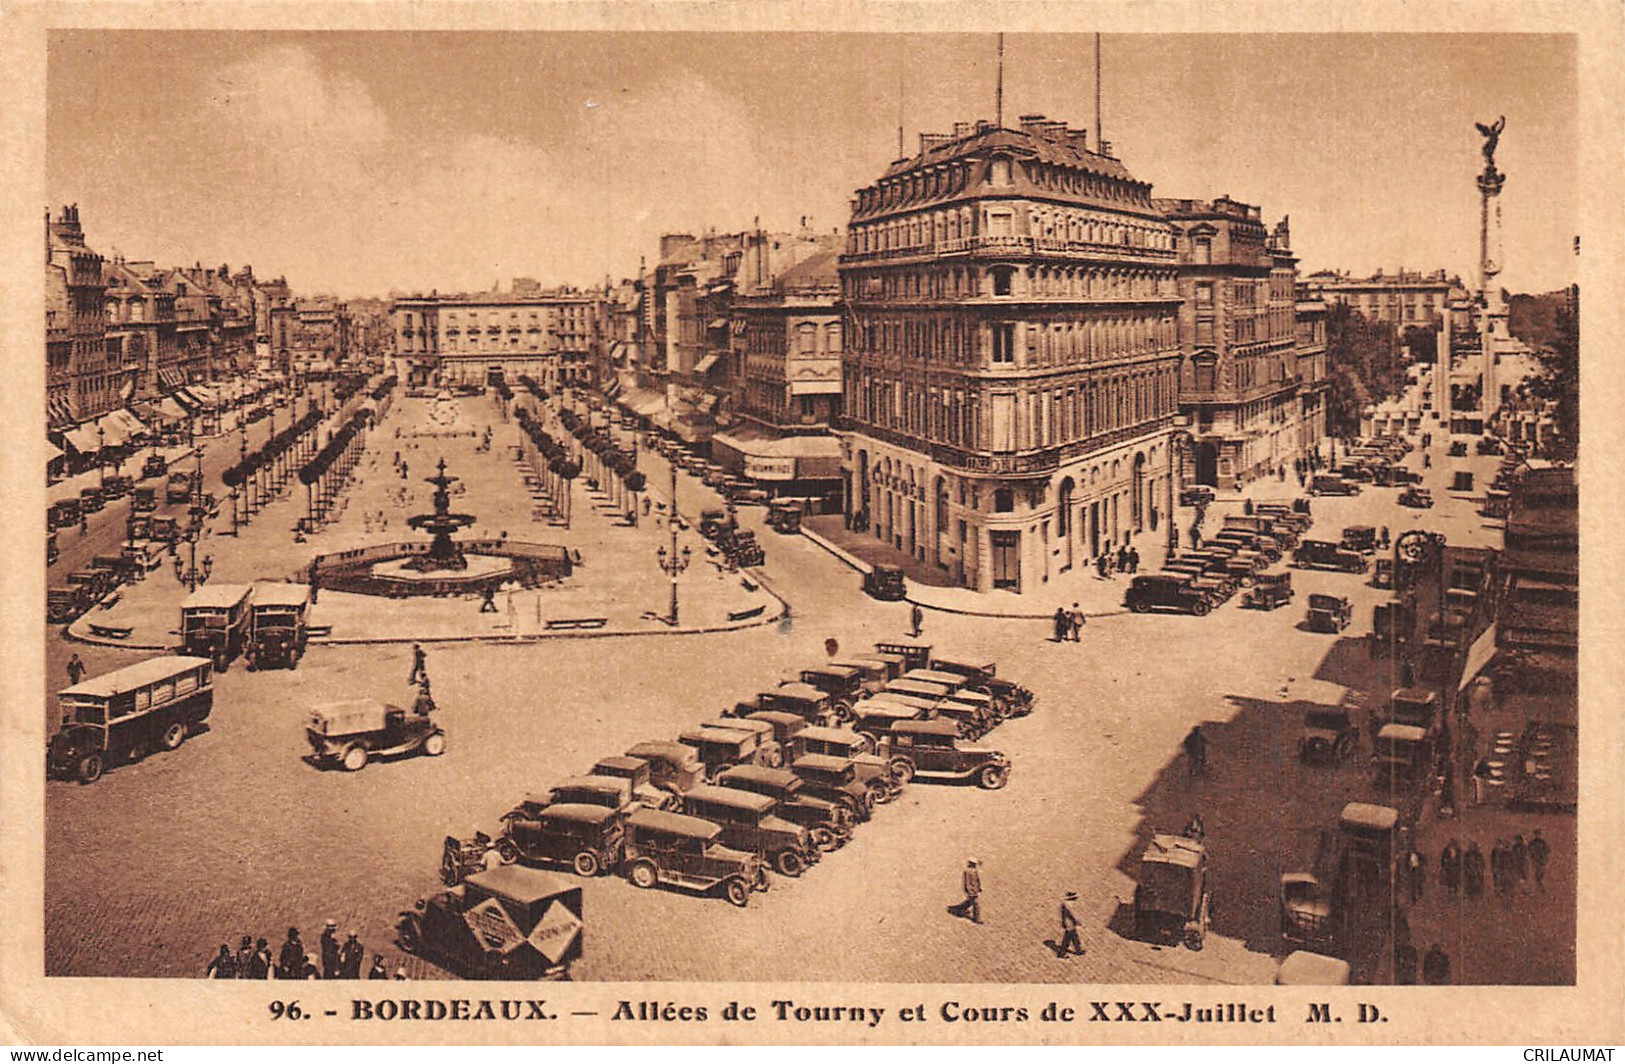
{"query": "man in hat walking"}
[(1071, 945), (350, 957), (418, 666), (291, 961), (971, 881), (330, 950), (76, 670)]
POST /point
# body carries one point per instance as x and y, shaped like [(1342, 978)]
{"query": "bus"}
[(122, 716)]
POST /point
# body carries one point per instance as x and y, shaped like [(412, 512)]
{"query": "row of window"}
[(946, 179), (939, 230), (975, 282), (979, 420), (1055, 339)]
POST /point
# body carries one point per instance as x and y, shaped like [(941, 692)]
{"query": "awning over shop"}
[(172, 377), (206, 393), (52, 453), (612, 387), (617, 353), (815, 387), (132, 425), (59, 410), (169, 408), (82, 439), (109, 433), (644, 403), (186, 399), (765, 457), (706, 364)]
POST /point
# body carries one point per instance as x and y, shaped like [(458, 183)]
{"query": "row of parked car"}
[(775, 783), (1200, 580)]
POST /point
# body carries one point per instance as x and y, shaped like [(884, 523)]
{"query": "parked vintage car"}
[(826, 822), (607, 792), (1012, 698), (787, 729), (1324, 484), (1416, 498), (91, 500), (914, 655), (872, 672), (634, 772), (64, 513), (1458, 448), (1151, 591), (144, 500), (804, 700), (722, 747), (716, 523), (351, 733), (52, 551), (876, 716), (66, 603), (156, 465), (116, 487), (214, 622), (1171, 899), (585, 836), (278, 626), (1309, 913), (687, 851), (784, 516), (931, 750), (884, 582), (509, 923), (1362, 538), (748, 823), (868, 768), (123, 715), (673, 767), (1329, 734), (1382, 573), (179, 487), (1329, 613), (842, 683), (1200, 495), (1269, 591), (1323, 554), (836, 779)]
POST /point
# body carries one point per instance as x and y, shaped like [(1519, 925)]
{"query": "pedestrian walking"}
[(1382, 537), (1472, 870), (1280, 473), (1450, 867), (1122, 558), (1133, 560), (1415, 874), (1519, 862), (1076, 620), (1063, 625), (971, 881), (916, 620), (351, 955), (330, 950), (1071, 945), (488, 601), (377, 971), (76, 670), (1538, 855), (223, 966), (418, 668), (84, 521), (1247, 506), (1436, 967), (291, 960), (259, 966), (1427, 461), (245, 956), (1196, 751), (1498, 866)]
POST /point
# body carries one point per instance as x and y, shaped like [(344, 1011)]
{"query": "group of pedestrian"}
[(1069, 623), (338, 960), (1510, 866), (1125, 559)]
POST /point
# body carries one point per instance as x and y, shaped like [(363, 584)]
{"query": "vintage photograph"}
[(811, 507)]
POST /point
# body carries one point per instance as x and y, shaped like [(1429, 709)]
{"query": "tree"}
[(1559, 380), (1364, 365)]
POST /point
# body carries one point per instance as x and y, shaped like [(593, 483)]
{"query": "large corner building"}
[(1012, 359)]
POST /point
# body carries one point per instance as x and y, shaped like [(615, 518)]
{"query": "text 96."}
[(286, 1010)]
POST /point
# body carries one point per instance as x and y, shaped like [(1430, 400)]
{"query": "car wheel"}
[(737, 893), (174, 735), (586, 864), (508, 850), (870, 740), (774, 757), (90, 769), (762, 880), (355, 759), (824, 838), (644, 875), (1193, 939), (902, 770), (887, 793), (789, 863), (435, 744), (1139, 606), (843, 712), (1200, 608), (992, 777)]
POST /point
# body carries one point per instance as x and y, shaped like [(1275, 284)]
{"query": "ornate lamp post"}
[(192, 574), (673, 563), (101, 456)]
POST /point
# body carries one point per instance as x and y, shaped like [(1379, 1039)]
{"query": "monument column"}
[(1493, 311)]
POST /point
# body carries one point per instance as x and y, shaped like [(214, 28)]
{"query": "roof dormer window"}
[(999, 173)]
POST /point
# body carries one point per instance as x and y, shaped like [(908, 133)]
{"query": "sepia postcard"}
[(811, 523)]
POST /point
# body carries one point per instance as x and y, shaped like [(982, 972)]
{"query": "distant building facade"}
[(85, 376), (1011, 354), (554, 338), (1241, 386)]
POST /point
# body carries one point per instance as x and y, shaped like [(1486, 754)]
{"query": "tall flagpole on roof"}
[(998, 91), (1100, 133)]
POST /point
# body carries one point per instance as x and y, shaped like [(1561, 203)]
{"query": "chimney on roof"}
[(962, 130), (1032, 123)]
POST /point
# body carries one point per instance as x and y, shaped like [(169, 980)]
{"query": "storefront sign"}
[(762, 468)]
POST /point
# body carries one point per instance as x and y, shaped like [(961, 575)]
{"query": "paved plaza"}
[(150, 869)]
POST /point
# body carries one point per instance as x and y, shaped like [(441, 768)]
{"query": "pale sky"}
[(359, 162)]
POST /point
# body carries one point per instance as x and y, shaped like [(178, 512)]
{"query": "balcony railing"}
[(1012, 243)]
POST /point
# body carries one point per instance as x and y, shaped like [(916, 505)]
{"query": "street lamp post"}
[(675, 562), (192, 574), (101, 456)]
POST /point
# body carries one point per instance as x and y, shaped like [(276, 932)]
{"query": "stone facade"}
[(555, 337), (1011, 358)]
